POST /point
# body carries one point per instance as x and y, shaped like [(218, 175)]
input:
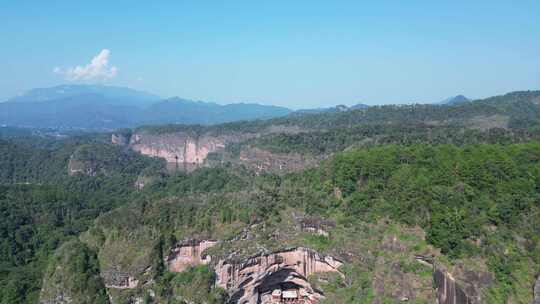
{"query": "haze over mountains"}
[(99, 107), (121, 95), (106, 107)]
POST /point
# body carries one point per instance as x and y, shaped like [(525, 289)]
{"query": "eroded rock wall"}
[(175, 147), (448, 291), (182, 147), (188, 254), (461, 285), (253, 279), (189, 150)]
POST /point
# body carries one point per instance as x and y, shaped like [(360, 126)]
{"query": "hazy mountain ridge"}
[(90, 108), (178, 110), (105, 107), (98, 107), (128, 95)]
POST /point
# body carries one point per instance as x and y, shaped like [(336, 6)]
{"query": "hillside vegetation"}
[(402, 196)]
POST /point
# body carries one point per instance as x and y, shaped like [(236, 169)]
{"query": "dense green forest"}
[(518, 110), (468, 188), (478, 201), (338, 139), (41, 206)]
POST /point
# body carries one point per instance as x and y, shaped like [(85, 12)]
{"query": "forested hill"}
[(394, 215), (512, 110), (42, 204), (505, 119), (516, 109)]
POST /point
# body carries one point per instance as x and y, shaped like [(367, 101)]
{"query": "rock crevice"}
[(255, 279)]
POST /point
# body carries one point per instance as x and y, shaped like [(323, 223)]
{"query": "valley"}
[(270, 152), (377, 205)]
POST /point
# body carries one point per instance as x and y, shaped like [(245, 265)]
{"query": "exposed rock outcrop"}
[(129, 257), (448, 291), (121, 139), (254, 279), (536, 291), (117, 279), (316, 225), (466, 291), (174, 148), (187, 254), (188, 150), (183, 148), (396, 272), (78, 166)]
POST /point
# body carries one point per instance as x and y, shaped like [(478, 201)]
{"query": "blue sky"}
[(291, 53)]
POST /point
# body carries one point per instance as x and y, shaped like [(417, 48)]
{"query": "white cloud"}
[(97, 69)]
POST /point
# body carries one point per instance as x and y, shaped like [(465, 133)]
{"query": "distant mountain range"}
[(117, 95), (99, 107), (178, 110)]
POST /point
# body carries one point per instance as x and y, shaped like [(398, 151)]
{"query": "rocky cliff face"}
[(251, 272), (181, 147), (448, 291), (466, 291), (187, 150), (254, 279), (176, 148), (378, 263), (187, 254)]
